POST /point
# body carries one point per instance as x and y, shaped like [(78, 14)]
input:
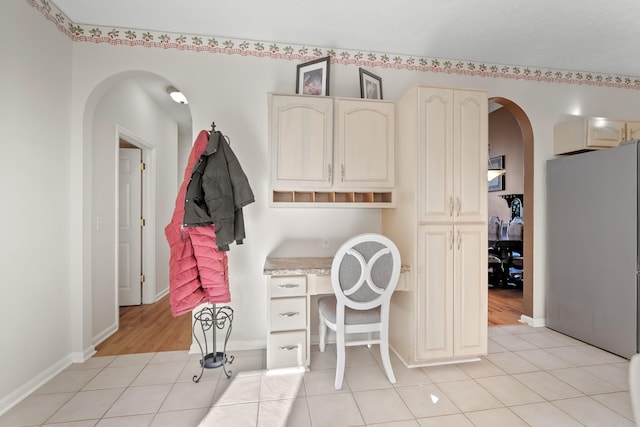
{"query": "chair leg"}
[(322, 326), (340, 358), (384, 355)]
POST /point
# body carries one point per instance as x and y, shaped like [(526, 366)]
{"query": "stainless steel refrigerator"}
[(592, 247)]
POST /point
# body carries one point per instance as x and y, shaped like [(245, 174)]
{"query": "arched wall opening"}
[(528, 166), (131, 106)]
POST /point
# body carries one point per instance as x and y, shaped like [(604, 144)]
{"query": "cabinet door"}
[(633, 130), (604, 132), (579, 133), (470, 134), (453, 133), (435, 292), (470, 290), (364, 144), (301, 137), (435, 154)]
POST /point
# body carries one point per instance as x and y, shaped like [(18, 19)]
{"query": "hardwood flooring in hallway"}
[(505, 306), (148, 328)]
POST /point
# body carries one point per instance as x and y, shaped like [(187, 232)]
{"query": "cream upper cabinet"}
[(592, 133), (301, 135), (440, 225), (364, 149), (453, 155), (331, 151)]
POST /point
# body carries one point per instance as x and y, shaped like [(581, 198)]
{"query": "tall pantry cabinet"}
[(440, 225)]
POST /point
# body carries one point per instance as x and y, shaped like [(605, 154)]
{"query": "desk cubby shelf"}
[(347, 198)]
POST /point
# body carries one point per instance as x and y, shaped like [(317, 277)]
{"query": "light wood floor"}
[(148, 328), (151, 328), (505, 306)]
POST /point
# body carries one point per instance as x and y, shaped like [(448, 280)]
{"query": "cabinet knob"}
[(288, 285), (450, 206), (330, 172)]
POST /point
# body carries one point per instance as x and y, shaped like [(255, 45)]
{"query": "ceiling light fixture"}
[(176, 95)]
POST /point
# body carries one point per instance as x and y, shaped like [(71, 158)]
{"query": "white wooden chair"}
[(364, 274)]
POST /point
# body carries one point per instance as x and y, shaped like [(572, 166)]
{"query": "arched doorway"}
[(133, 107), (528, 170)]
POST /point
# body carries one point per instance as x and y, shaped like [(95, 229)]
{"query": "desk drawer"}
[(288, 313), (287, 349), (287, 286)]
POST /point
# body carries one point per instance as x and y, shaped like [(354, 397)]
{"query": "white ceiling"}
[(574, 35)]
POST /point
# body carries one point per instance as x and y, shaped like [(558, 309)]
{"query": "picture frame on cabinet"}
[(497, 183), (370, 85), (313, 77)]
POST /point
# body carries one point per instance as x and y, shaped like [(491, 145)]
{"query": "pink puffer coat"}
[(198, 272)]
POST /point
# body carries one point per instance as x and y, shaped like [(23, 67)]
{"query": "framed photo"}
[(496, 184), (370, 85), (313, 77)]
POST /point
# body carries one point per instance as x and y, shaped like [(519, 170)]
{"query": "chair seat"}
[(352, 317)]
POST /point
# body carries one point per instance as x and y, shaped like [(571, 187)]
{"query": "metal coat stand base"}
[(206, 319)]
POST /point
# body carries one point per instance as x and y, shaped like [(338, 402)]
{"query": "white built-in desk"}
[(293, 281)]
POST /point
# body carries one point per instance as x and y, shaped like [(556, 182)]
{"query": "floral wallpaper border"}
[(211, 44)]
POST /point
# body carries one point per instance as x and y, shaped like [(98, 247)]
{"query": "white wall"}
[(35, 83), (129, 107), (231, 90), (51, 211)]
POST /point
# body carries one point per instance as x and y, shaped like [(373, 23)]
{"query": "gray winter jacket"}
[(217, 191)]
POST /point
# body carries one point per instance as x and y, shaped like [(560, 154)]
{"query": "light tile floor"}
[(531, 376)]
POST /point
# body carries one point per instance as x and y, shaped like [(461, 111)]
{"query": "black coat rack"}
[(206, 319)]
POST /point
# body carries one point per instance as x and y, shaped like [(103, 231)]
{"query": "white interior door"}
[(129, 227)]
